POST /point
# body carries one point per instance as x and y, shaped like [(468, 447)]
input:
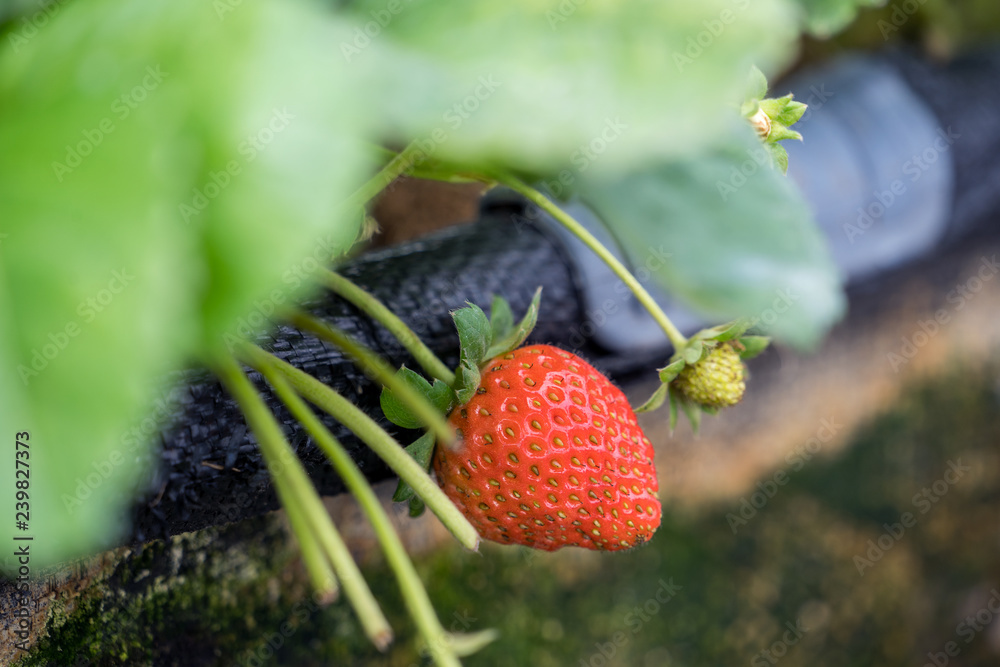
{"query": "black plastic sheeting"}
[(421, 282)]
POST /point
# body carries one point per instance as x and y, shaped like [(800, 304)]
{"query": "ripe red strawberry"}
[(551, 455)]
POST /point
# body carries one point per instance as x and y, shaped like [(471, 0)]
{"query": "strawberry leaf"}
[(733, 330), (654, 401), (420, 451), (756, 86), (692, 353), (692, 412), (671, 370), (417, 506), (753, 345), (521, 332), (501, 317), (475, 335), (673, 409), (439, 394)]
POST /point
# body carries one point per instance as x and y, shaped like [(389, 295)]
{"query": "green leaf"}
[(753, 345), (823, 18), (635, 77), (756, 85), (421, 451), (673, 408), (141, 223), (520, 333), (692, 412), (693, 351), (781, 133), (671, 370), (474, 333), (501, 317), (779, 156), (750, 248), (467, 380), (792, 112), (654, 401), (733, 330), (417, 507), (439, 394), (465, 644)]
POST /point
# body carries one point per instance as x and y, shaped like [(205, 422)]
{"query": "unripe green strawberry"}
[(551, 455), (715, 381)]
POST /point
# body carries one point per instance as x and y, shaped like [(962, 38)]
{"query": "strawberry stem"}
[(370, 362), (578, 230), (398, 166), (296, 490), (383, 444), (413, 591), (376, 310)]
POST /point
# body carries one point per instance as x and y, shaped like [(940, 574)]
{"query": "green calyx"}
[(707, 373), (481, 338), (771, 117)]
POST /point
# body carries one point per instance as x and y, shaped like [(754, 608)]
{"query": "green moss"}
[(794, 560)]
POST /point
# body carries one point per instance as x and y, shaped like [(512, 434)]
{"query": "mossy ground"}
[(792, 562)]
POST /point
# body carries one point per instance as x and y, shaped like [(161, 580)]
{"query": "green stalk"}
[(376, 310), (370, 362), (414, 593), (390, 172), (383, 444), (292, 483), (317, 565), (578, 230)]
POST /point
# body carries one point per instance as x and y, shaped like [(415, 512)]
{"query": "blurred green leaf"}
[(823, 18), (537, 86), (742, 239), (164, 167)]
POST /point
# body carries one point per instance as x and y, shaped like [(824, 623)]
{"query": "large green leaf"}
[(741, 238), (541, 85), (826, 17), (114, 118)]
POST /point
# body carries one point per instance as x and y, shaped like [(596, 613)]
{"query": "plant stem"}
[(293, 486), (383, 444), (375, 309), (578, 230), (317, 564), (414, 593), (390, 172), (370, 362)]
